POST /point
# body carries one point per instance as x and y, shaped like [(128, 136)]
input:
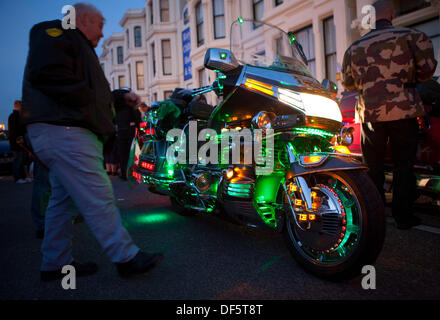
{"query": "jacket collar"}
[(383, 23), (85, 38)]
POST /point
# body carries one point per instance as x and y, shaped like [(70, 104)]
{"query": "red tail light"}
[(143, 125), (147, 165), (150, 131)]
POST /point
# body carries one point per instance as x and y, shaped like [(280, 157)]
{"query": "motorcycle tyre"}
[(372, 237)]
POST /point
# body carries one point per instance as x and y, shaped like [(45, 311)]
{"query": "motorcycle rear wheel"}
[(343, 241)]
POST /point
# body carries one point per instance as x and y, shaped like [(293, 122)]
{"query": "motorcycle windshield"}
[(263, 45)]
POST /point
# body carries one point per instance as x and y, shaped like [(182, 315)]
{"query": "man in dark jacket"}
[(384, 66), (127, 120), (15, 130), (68, 110)]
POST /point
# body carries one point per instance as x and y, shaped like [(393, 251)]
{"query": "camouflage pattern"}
[(384, 66)]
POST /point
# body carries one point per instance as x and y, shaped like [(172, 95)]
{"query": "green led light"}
[(240, 20), (313, 131), (223, 55)]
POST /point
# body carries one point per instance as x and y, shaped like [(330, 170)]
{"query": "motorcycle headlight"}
[(264, 120), (319, 106), (311, 104)]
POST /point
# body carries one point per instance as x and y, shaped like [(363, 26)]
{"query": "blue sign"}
[(185, 16), (186, 42)]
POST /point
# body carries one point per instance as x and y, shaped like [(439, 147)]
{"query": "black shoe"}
[(408, 223), (81, 270), (141, 263), (39, 234)]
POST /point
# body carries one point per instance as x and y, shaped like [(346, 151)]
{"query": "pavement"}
[(206, 258)]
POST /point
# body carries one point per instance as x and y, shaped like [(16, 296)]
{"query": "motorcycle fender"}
[(332, 163)]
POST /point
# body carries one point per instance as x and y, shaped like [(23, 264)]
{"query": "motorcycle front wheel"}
[(344, 231)]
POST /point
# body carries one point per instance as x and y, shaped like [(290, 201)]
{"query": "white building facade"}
[(175, 35)]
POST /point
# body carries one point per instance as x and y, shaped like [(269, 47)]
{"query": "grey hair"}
[(81, 8)]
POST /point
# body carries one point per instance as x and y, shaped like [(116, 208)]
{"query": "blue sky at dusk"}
[(18, 17)]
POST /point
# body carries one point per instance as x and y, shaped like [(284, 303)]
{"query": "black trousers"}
[(402, 136), (124, 140)]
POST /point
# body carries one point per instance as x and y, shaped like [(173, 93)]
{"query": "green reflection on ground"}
[(152, 217)]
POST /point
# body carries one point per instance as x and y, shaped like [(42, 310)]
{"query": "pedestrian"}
[(143, 109), (127, 120), (16, 131), (68, 110), (111, 156), (384, 66)]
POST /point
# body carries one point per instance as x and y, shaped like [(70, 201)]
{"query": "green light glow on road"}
[(149, 218)]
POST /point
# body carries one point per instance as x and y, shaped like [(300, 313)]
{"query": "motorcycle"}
[(300, 180)]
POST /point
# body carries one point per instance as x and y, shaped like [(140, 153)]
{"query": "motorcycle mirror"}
[(330, 86), (220, 60)]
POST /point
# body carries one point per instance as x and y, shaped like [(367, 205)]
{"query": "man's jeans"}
[(74, 157)]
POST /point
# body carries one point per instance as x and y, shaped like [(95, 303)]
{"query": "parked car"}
[(6, 155)]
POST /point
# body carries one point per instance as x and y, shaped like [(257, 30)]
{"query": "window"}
[(127, 35), (199, 24), (279, 46), (137, 36), (121, 81), (330, 49), (153, 57), (258, 11), (166, 57), (306, 39), (150, 7), (140, 75), (111, 54), (219, 19), (120, 52), (164, 11), (129, 75), (278, 2), (202, 77), (167, 94), (154, 97)]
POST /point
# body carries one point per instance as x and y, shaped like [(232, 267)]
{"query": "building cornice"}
[(132, 14)]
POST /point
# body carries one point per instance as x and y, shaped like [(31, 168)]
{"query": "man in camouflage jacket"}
[(384, 66)]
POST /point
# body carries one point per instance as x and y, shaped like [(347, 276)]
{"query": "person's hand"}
[(19, 140)]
